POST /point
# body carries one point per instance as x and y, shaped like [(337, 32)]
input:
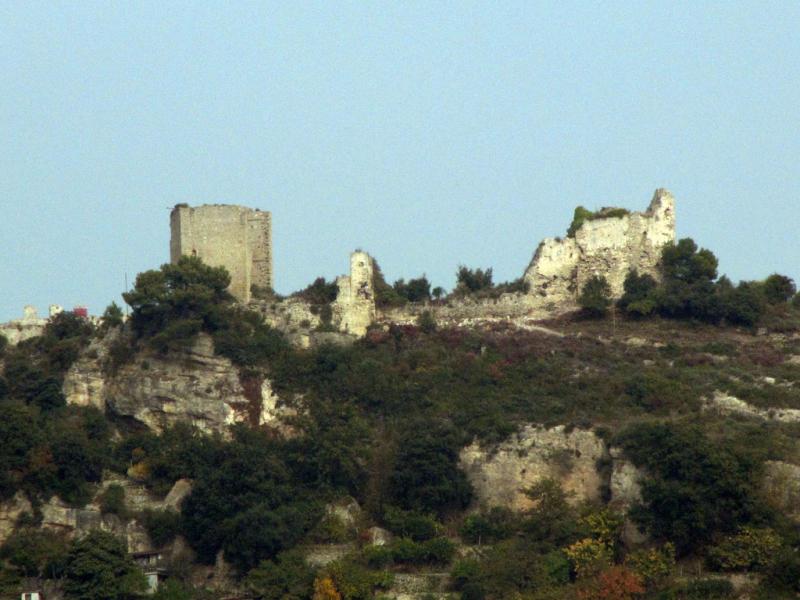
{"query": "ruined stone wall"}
[(234, 237), (19, 330), (608, 247), (354, 308)]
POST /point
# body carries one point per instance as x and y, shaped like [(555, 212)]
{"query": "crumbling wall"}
[(19, 330), (608, 247), (234, 237), (354, 307)]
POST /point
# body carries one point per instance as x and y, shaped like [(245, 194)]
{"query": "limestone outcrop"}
[(607, 246), (193, 386), (501, 474), (60, 517)]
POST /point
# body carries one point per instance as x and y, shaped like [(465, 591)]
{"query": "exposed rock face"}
[(354, 308), (608, 247), (731, 405), (59, 516), (626, 490), (782, 487), (193, 386), (501, 474), (10, 511)]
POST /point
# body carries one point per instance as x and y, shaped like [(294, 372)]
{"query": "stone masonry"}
[(608, 247), (234, 237)]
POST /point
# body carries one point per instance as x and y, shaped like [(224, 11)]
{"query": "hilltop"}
[(621, 425)]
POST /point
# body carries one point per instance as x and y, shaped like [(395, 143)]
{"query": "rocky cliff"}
[(193, 385)]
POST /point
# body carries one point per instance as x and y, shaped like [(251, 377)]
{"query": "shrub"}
[(112, 316), (652, 565), (706, 589), (287, 577), (638, 298), (614, 583), (469, 281), (162, 525), (751, 548), (427, 476), (595, 297), (582, 215), (438, 550), (177, 301), (411, 524), (489, 527), (778, 289), (36, 553), (426, 322), (696, 489), (416, 290), (385, 295), (588, 557), (319, 292), (98, 568), (355, 582), (113, 501)]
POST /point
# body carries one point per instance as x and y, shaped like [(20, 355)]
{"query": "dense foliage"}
[(383, 420)]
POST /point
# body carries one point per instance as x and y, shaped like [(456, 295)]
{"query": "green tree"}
[(469, 281), (319, 292), (595, 297), (638, 297), (112, 316), (426, 476), (36, 553), (288, 577), (416, 290), (778, 289), (697, 489), (685, 262), (172, 304), (98, 567)]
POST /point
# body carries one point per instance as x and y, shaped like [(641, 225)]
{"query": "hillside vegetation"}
[(383, 421)]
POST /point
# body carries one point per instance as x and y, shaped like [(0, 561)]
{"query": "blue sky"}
[(430, 134)]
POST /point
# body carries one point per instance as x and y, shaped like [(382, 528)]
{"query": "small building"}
[(31, 596), (152, 564)]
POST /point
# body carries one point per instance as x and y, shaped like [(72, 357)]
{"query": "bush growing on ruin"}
[(581, 215), (385, 295), (595, 297), (320, 291)]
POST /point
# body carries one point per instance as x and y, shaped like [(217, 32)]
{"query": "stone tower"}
[(235, 237)]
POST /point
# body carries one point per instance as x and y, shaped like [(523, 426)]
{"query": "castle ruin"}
[(235, 237), (609, 247)]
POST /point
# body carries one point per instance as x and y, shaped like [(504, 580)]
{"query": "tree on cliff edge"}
[(177, 301)]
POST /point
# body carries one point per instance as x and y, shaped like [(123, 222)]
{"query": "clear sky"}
[(430, 134)]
